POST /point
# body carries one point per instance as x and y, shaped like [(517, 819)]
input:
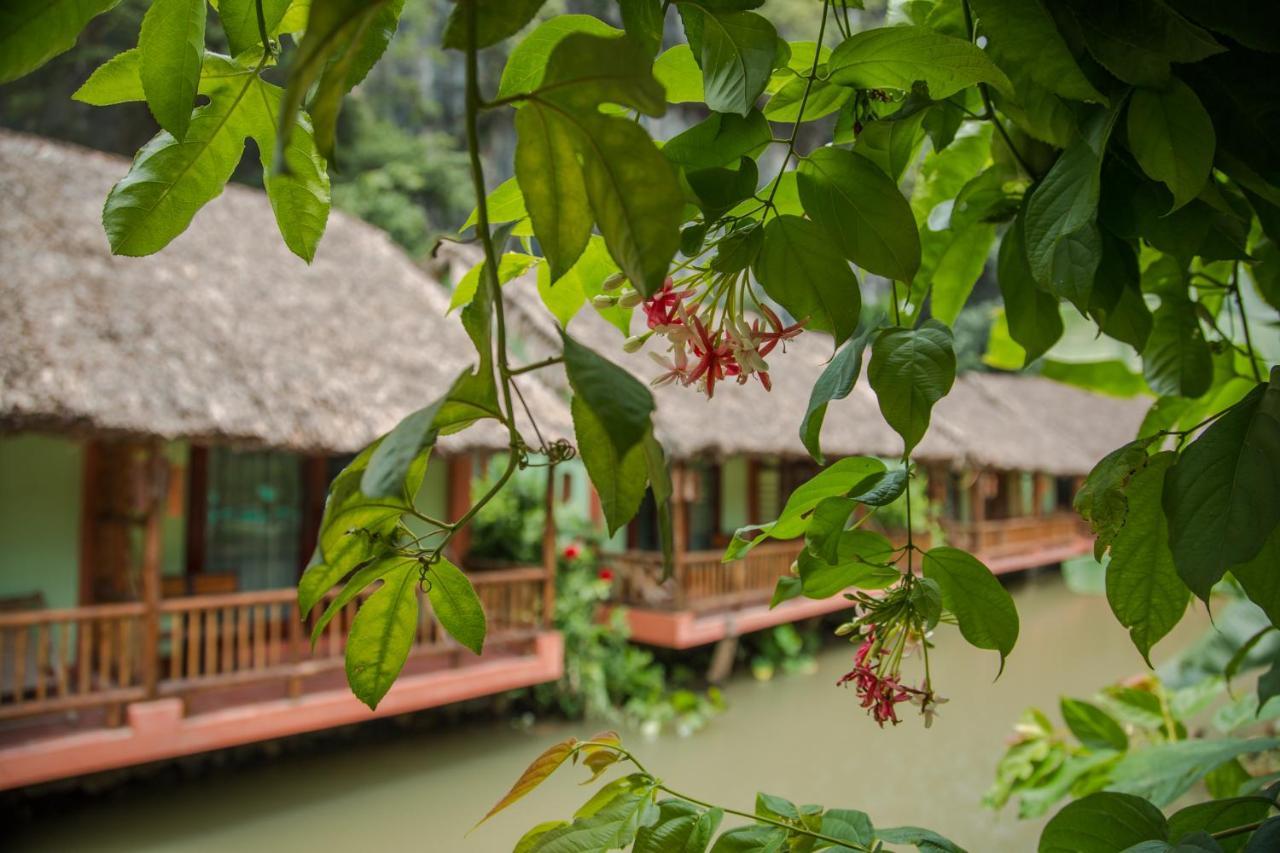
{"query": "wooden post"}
[(157, 475), (459, 501), (679, 528), (549, 550)]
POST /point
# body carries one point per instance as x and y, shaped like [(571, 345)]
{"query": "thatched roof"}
[(224, 336), (1006, 421)]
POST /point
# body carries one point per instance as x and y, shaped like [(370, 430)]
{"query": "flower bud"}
[(630, 299), (614, 281), (604, 301), (635, 342)]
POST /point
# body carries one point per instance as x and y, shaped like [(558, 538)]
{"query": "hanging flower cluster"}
[(877, 664), (708, 338)]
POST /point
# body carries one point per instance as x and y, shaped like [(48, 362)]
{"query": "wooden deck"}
[(91, 688), (707, 600)]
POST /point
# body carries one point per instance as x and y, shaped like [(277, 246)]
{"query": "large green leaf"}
[(620, 401), (1024, 37), (1172, 138), (897, 57), (737, 53), (1032, 314), (510, 266), (587, 70), (34, 31), (495, 21), (860, 562), (1116, 301), (862, 211), (910, 370), (751, 839), (619, 479), (983, 608), (170, 181), (527, 64), (1062, 240), (925, 840), (834, 383), (678, 72), (801, 267), (382, 634), (1163, 772), (1218, 816), (240, 21), (643, 21), (456, 605), (1103, 823), (1138, 40), (680, 828), (1092, 726), (892, 144), (171, 44), (1176, 360), (1260, 578), (824, 99), (1143, 587), (1102, 500), (719, 140), (838, 478), (1222, 497), (555, 193)]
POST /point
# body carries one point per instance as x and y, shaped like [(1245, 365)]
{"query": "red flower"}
[(715, 358), (663, 308), (572, 551), (605, 575)]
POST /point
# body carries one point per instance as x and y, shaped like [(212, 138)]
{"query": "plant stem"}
[(537, 365), (804, 100), (1244, 321), (853, 845), (986, 102)]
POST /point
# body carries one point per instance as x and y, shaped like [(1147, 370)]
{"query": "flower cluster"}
[(877, 678), (701, 353)]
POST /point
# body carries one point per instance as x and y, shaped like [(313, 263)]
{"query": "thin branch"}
[(986, 102), (537, 365), (804, 100), (1244, 321)]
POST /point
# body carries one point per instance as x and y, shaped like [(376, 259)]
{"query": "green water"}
[(796, 736)]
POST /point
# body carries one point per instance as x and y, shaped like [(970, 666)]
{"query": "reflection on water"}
[(798, 736)]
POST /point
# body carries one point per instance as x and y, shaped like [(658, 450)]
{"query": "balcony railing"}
[(701, 581), (100, 656), (996, 538)]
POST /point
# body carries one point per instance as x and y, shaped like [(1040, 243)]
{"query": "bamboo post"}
[(549, 550), (151, 551), (679, 529)]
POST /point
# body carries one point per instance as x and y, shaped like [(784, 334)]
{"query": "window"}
[(253, 517)]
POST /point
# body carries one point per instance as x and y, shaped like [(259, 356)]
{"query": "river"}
[(796, 736)]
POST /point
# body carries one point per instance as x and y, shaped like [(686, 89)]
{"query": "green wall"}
[(40, 484), (734, 494), (173, 530)]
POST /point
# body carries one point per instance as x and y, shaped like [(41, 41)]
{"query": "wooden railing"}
[(1006, 536), (57, 660), (701, 580), (54, 660)]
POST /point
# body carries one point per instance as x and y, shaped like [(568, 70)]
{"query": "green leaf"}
[(607, 823), (171, 45), (896, 57), (717, 190), (643, 21), (925, 840), (1172, 138), (848, 825), (527, 64), (456, 605), (634, 194), (370, 572), (587, 70), (1260, 579), (881, 489), (751, 839), (826, 525), (719, 140), (679, 74), (1024, 37), (1116, 299), (1143, 587), (1222, 497), (621, 402), (1139, 39), (534, 775), (529, 842), (1032, 314), (1176, 360), (34, 31), (510, 266), (170, 180), (860, 561), (1163, 772), (381, 635), (619, 480), (737, 54), (116, 81), (787, 588), (834, 383), (1092, 726), (1103, 823), (862, 211), (1219, 815), (824, 99), (679, 828), (891, 144), (240, 21), (1063, 245), (836, 479), (495, 21), (738, 250), (551, 180), (805, 272), (392, 461), (910, 370), (983, 608), (585, 280)]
